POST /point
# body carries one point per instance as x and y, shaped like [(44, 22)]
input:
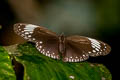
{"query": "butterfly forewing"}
[(33, 32), (79, 48)]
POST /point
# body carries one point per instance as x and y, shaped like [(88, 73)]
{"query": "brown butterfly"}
[(70, 49)]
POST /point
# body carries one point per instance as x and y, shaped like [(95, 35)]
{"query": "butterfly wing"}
[(46, 41), (79, 48), (48, 47), (32, 32)]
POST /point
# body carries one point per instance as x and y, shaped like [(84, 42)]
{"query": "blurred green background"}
[(93, 18)]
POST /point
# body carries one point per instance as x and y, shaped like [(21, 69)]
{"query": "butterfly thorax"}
[(62, 44)]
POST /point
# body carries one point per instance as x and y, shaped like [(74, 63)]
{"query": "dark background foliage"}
[(94, 18)]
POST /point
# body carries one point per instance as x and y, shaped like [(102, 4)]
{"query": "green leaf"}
[(40, 67), (6, 68)]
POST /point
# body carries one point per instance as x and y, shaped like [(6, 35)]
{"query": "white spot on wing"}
[(76, 57), (33, 38), (71, 57), (72, 60), (49, 55), (47, 51), (31, 32), (89, 52), (30, 27), (29, 35), (94, 51), (41, 42), (26, 33), (18, 26), (40, 46), (83, 55)]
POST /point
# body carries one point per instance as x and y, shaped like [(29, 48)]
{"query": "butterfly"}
[(70, 49)]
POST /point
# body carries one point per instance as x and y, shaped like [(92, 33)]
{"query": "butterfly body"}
[(68, 48), (61, 45)]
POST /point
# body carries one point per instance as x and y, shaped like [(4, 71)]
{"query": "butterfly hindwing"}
[(74, 52), (79, 48), (49, 48)]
